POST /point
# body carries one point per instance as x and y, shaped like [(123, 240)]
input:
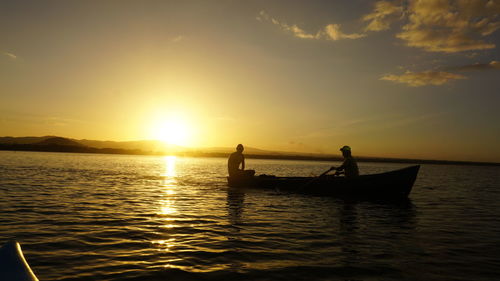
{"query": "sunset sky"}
[(416, 79)]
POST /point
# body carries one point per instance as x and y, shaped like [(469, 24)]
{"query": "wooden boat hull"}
[(390, 185), (13, 265)]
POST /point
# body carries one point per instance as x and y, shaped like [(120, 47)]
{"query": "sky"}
[(413, 79)]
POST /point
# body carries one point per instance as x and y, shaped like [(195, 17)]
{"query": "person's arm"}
[(342, 167), (242, 162)]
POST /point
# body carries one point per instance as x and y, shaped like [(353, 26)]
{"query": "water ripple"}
[(113, 217)]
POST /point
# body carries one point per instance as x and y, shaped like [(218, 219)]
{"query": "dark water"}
[(107, 217)]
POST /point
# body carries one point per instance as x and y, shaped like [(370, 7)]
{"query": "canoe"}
[(13, 265), (389, 185)]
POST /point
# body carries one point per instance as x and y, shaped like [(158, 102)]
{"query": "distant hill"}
[(139, 147), (151, 147), (59, 144), (146, 145), (59, 141)]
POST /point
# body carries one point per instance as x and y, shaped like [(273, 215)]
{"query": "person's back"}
[(233, 163), (350, 167)]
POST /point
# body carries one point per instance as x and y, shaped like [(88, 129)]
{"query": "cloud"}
[(297, 31), (447, 26), (477, 66), (418, 79), (10, 55), (384, 14), (333, 32), (450, 26), (329, 32), (178, 39), (294, 29)]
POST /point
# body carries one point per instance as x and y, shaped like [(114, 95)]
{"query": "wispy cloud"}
[(333, 32), (418, 79), (383, 15), (433, 25), (10, 55), (444, 26), (328, 32), (178, 38), (294, 29), (477, 66)]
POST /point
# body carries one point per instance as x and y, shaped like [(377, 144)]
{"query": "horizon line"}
[(264, 154)]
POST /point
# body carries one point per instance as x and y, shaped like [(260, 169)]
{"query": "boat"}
[(13, 265), (395, 184)]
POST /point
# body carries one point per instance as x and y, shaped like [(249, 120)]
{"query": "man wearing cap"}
[(349, 168), (235, 160)]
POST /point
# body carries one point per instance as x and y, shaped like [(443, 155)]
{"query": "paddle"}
[(317, 178), (326, 172)]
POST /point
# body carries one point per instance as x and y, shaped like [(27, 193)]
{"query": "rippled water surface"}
[(116, 217)]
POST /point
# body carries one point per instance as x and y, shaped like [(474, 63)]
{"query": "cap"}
[(345, 148)]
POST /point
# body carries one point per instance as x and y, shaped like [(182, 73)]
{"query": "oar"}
[(316, 178), (326, 172)]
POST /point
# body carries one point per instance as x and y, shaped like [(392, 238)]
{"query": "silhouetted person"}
[(349, 168), (235, 160)]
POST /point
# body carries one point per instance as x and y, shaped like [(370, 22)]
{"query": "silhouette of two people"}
[(236, 164), (237, 160)]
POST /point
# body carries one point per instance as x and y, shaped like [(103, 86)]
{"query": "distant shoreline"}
[(375, 160), (92, 150)]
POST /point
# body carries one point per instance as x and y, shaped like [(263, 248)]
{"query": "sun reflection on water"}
[(167, 206), (170, 162), (167, 210), (169, 242)]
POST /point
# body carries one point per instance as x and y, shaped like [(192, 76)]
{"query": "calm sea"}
[(117, 217)]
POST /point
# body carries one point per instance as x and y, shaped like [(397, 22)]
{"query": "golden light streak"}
[(167, 205)]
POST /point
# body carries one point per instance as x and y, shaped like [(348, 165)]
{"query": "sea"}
[(122, 217)]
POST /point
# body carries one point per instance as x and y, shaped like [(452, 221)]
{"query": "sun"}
[(173, 130)]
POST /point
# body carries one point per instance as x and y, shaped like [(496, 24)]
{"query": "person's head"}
[(346, 151), (240, 148)]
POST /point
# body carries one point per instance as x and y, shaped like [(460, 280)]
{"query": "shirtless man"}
[(235, 160)]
